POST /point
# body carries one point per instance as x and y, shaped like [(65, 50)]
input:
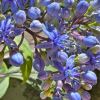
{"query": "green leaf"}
[(4, 86), (3, 68), (50, 68), (2, 17), (28, 57), (1, 57), (89, 11), (93, 29), (94, 24), (4, 82), (26, 68)]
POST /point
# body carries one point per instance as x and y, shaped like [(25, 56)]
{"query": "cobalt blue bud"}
[(62, 56), (16, 59), (34, 13), (74, 96), (53, 9), (36, 26), (68, 3), (81, 8), (20, 17), (90, 41), (45, 2), (90, 77)]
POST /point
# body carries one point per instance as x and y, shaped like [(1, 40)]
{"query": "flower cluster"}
[(67, 42)]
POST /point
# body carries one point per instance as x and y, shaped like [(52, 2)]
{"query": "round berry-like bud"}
[(90, 41), (62, 56), (36, 26), (34, 13), (81, 8), (90, 77), (16, 59), (53, 9), (20, 17), (74, 96), (83, 58)]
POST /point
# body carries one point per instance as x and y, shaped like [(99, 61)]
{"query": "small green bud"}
[(2, 17), (95, 49), (83, 58)]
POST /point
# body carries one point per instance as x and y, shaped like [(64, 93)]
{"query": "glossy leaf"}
[(4, 81)]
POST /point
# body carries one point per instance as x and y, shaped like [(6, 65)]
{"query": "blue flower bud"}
[(81, 8), (90, 41), (16, 59), (20, 17), (45, 2), (68, 3), (90, 77), (74, 96), (34, 13), (36, 26), (62, 56), (53, 9)]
